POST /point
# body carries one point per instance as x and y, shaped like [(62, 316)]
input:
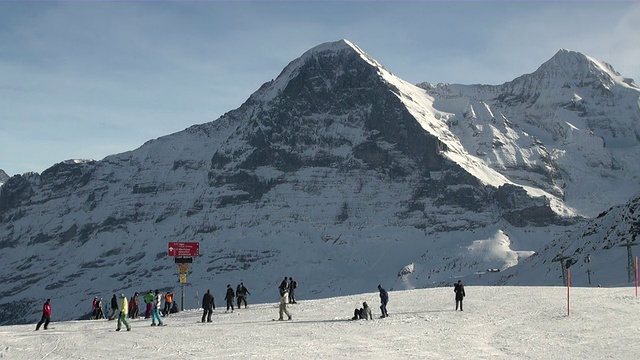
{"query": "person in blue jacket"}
[(384, 299)]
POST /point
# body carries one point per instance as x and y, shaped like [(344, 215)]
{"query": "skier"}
[(148, 299), (241, 294), (114, 307), (208, 305), (46, 315), (284, 285), (363, 313), (155, 311), (284, 300), (384, 299), (229, 297), (122, 318), (292, 287), (458, 288)]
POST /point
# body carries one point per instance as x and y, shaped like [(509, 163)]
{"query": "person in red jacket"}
[(46, 315)]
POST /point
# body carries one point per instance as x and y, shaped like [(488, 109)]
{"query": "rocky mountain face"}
[(3, 177), (337, 173)]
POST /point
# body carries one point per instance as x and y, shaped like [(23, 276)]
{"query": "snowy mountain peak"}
[(579, 69), (333, 56)]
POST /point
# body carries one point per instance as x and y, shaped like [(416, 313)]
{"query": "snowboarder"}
[(208, 305), (458, 288), (284, 300), (292, 287), (114, 307), (284, 285), (363, 313), (384, 299), (122, 318), (46, 315), (155, 311), (241, 294), (229, 297)]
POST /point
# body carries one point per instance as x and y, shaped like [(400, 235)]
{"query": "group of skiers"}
[(129, 309), (239, 296)]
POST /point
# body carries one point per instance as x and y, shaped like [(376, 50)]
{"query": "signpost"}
[(183, 253), (184, 249)]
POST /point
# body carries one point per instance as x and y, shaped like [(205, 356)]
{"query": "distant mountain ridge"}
[(337, 173)]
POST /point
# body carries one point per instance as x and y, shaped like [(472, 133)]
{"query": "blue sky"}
[(90, 79)]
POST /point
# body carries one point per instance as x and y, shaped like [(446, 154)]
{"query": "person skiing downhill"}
[(46, 315), (458, 288)]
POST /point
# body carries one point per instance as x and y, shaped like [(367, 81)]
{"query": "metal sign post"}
[(183, 253)]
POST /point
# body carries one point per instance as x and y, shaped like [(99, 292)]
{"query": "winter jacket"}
[(384, 296), (114, 302), (157, 301), (207, 301), (230, 295), (242, 291), (366, 312), (148, 298), (284, 285), (124, 306), (285, 298), (46, 309), (458, 288)]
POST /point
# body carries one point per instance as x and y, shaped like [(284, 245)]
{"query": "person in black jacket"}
[(284, 286), (208, 305), (114, 307), (229, 297), (241, 294), (458, 288), (292, 288)]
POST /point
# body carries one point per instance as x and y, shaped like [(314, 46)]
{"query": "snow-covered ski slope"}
[(498, 323)]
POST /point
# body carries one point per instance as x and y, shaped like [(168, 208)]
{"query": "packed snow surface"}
[(497, 323)]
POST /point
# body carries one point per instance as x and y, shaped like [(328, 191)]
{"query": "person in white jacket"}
[(155, 312), (284, 300)]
